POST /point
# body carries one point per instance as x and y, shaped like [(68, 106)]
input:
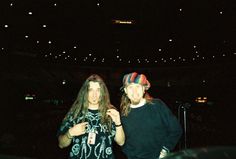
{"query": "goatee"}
[(135, 102)]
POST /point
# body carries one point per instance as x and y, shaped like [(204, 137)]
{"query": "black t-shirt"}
[(80, 148)]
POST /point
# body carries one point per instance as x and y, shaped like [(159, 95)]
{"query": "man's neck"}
[(93, 107), (140, 104)]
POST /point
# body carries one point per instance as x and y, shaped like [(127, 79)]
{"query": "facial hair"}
[(135, 102)]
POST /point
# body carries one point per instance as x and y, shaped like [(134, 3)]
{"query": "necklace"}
[(92, 128)]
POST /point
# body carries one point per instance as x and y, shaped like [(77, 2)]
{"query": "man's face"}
[(134, 92), (94, 93)]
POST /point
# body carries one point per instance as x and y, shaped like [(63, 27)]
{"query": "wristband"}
[(68, 135), (119, 125), (165, 149)]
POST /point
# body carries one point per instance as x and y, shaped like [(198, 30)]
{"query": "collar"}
[(141, 103)]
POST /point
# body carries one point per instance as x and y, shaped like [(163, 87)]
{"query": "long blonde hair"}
[(80, 106)]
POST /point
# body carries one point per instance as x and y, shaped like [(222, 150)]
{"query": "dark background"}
[(28, 128), (185, 48)]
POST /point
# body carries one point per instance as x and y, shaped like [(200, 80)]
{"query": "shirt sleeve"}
[(67, 123), (174, 129)]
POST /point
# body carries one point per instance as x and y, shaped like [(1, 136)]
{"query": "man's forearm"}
[(120, 136), (64, 140)]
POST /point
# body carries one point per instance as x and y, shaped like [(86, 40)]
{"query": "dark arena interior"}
[(186, 49)]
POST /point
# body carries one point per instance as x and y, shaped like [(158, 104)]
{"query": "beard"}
[(93, 101), (135, 102), (135, 99)]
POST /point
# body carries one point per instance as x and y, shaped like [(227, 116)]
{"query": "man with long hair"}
[(92, 123), (150, 128)]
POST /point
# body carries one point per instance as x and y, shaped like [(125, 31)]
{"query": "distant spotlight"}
[(201, 100), (30, 96), (125, 22)]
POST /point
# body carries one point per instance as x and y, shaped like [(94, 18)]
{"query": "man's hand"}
[(163, 153), (115, 116), (78, 129)]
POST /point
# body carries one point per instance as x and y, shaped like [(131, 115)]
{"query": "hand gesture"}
[(78, 129), (115, 116)]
